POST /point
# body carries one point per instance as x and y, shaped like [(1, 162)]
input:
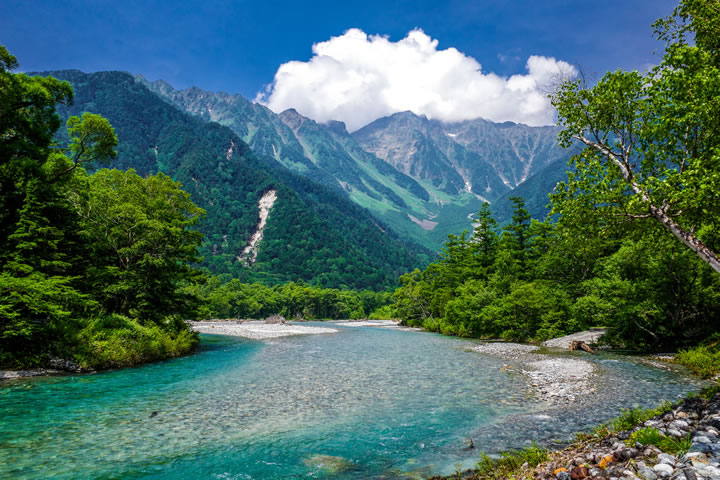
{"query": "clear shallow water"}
[(363, 403)]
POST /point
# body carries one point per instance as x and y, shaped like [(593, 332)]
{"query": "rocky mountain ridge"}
[(311, 233), (422, 177)]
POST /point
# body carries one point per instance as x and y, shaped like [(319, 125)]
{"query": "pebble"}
[(646, 472), (257, 330), (611, 458), (663, 470), (679, 425)]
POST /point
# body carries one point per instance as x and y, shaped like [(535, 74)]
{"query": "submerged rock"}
[(329, 464)]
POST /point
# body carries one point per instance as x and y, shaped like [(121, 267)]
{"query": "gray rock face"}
[(64, 365), (489, 158)]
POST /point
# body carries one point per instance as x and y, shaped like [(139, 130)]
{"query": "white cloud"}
[(358, 78)]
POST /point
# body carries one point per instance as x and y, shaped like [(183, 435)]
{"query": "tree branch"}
[(659, 213)]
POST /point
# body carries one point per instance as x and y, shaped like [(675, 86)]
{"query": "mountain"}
[(312, 233), (324, 153), (535, 191), (478, 156), (421, 177)]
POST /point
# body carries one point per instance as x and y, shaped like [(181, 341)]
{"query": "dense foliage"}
[(652, 140), (537, 280), (703, 360), (313, 233), (647, 178), (91, 265), (235, 299)]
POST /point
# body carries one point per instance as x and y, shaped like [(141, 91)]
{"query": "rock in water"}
[(64, 365), (580, 345), (328, 463)]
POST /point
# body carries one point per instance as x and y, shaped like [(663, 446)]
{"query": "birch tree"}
[(652, 140)]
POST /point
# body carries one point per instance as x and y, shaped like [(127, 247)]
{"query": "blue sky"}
[(237, 46)]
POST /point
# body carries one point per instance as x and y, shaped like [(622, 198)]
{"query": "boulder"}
[(580, 345)]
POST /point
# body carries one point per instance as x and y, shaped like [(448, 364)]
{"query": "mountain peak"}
[(408, 114), (292, 118), (337, 126)]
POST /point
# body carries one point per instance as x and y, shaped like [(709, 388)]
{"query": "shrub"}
[(114, 341), (632, 417), (627, 420), (703, 361)]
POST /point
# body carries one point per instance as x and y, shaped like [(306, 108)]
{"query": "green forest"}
[(235, 299), (533, 280), (632, 237), (103, 267), (91, 264), (314, 234)]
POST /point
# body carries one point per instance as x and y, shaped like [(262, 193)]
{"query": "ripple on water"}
[(373, 401)]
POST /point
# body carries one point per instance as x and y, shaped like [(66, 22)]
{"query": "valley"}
[(402, 259)]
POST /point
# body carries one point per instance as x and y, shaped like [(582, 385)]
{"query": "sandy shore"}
[(257, 330)]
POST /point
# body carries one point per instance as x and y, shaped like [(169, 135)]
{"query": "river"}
[(361, 403)]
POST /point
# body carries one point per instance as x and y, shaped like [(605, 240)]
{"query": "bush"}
[(703, 361), (386, 312), (635, 416), (627, 420), (114, 341)]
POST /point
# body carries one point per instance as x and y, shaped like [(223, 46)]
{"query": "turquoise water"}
[(362, 403)]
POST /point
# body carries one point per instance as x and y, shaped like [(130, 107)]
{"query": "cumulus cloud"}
[(358, 78)]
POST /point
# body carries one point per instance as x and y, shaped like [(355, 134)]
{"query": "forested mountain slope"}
[(329, 155), (312, 234), (423, 178)]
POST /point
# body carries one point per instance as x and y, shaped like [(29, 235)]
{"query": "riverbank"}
[(679, 442), (558, 380), (36, 372), (257, 330)]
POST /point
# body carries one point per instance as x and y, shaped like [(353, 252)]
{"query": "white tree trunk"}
[(685, 236)]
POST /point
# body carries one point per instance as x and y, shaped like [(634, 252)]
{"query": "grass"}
[(509, 463), (651, 436), (703, 361), (114, 341), (708, 392), (627, 420)]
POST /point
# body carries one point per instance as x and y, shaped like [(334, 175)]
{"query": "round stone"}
[(663, 470)]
